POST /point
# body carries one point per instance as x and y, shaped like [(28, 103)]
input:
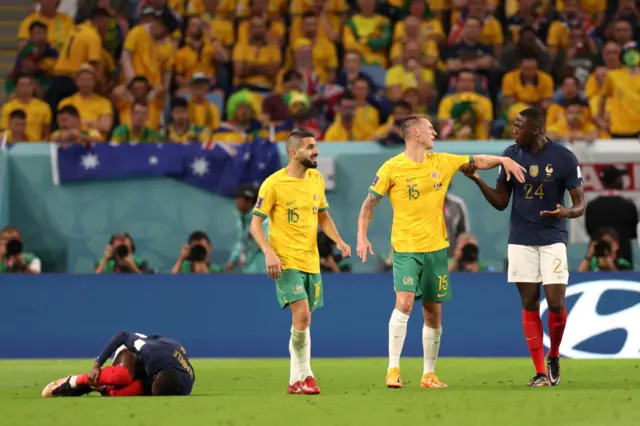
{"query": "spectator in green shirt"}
[(603, 253), (194, 257), (120, 258), (12, 258), (466, 256), (138, 131)]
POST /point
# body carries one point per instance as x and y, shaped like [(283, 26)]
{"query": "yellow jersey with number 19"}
[(417, 192), (292, 206)]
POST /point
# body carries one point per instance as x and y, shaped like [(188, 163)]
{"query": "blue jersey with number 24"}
[(550, 172)]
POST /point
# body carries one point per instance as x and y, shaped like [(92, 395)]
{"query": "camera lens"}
[(198, 253), (122, 250), (14, 247)]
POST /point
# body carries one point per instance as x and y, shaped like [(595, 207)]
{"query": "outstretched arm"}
[(364, 219), (486, 162), (498, 197)]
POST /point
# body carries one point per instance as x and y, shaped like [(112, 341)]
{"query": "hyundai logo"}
[(583, 321)]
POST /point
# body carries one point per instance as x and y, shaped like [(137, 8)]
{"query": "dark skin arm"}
[(498, 197), (576, 209)]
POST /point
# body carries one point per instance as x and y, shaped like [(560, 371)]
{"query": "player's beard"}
[(309, 163)]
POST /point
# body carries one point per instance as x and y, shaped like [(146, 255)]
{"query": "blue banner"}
[(218, 168), (59, 316)]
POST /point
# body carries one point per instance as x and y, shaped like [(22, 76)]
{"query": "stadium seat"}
[(375, 73)]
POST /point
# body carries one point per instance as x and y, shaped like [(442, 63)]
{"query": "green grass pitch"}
[(252, 392)]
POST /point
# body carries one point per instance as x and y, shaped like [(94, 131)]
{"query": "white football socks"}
[(397, 334), (300, 350), (431, 345)]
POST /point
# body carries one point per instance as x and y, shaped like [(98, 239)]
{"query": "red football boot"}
[(295, 389), (310, 387)]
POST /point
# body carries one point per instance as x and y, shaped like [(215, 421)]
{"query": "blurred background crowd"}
[(233, 70)]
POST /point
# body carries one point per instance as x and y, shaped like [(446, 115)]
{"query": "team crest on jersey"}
[(548, 170), (315, 209), (375, 181), (437, 186), (533, 170), (259, 203), (297, 289), (435, 175), (407, 280), (316, 197)]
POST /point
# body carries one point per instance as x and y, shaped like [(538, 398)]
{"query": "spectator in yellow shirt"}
[(275, 28), (368, 33), (16, 130), (491, 34), (596, 9), (410, 74), (611, 57), (528, 85), (218, 25), (180, 129), (275, 8), (623, 86), (37, 112), (574, 126), (344, 128), (139, 90), (602, 122), (83, 46), (58, 24), (570, 93), (142, 52), (331, 14), (70, 128), (411, 28), (256, 63), (95, 111), (389, 133), (200, 54), (367, 117), (324, 56), (572, 16), (202, 113), (465, 114)]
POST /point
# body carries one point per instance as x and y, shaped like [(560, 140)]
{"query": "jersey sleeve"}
[(132, 341), (382, 182), (266, 200), (94, 48), (324, 204), (573, 178), (453, 162)]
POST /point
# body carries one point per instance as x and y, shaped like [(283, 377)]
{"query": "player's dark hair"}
[(291, 75), (19, 114), (179, 102), (295, 138), (474, 18), (572, 77), (139, 79), (401, 103), (19, 77), (197, 236), (409, 122), (123, 235), (362, 78), (529, 57), (100, 13), (37, 24), (248, 191), (601, 232), (166, 383), (69, 110), (574, 101), (534, 115)]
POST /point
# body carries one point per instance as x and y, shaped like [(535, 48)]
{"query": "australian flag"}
[(220, 168)]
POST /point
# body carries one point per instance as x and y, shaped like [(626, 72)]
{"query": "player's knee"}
[(530, 304), (404, 302), (556, 307), (302, 320)]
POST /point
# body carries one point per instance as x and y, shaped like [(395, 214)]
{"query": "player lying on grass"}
[(153, 365), (417, 183), (538, 235)]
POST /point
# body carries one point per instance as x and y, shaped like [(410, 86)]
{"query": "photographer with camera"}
[(194, 257), (466, 256), (603, 253), (12, 258), (120, 258), (245, 253)]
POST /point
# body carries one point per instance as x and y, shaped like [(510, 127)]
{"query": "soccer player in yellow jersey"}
[(417, 183), (294, 201)]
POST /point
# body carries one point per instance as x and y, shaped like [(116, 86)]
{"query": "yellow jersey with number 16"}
[(417, 192), (292, 206)]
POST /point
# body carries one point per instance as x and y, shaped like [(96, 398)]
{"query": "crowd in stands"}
[(347, 70)]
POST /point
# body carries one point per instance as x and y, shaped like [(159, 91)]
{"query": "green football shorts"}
[(425, 274), (294, 285)]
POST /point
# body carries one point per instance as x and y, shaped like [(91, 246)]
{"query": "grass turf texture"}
[(252, 392)]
